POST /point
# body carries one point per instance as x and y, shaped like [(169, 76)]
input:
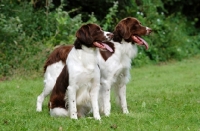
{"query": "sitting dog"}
[(77, 87)]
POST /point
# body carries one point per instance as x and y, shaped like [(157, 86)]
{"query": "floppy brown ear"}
[(123, 29), (83, 34)]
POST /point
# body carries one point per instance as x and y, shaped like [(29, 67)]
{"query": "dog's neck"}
[(117, 37), (80, 46), (88, 50)]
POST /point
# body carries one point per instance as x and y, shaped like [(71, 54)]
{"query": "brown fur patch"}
[(60, 53), (59, 90), (106, 54)]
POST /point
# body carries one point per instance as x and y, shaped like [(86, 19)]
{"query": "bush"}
[(173, 35), (28, 35), (23, 32), (28, 38)]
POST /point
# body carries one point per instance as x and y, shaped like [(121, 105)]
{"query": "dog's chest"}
[(123, 56), (82, 67), (85, 76), (127, 50), (88, 63)]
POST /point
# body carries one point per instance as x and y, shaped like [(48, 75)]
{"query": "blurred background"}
[(30, 29)]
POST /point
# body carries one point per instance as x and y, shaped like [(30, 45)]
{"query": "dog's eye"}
[(100, 30), (138, 25), (135, 27)]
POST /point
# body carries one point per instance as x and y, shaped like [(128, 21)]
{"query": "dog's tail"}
[(59, 112)]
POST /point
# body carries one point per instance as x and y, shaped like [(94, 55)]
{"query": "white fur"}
[(59, 112), (115, 73), (84, 79), (50, 76)]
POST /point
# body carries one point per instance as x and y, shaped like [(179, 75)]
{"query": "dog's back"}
[(60, 53)]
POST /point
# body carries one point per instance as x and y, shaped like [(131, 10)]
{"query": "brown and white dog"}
[(114, 66), (77, 87)]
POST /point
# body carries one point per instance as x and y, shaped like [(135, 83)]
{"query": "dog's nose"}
[(149, 30), (110, 35)]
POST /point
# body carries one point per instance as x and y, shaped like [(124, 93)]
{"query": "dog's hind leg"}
[(49, 83)]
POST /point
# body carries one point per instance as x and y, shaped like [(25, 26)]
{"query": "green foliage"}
[(187, 8), (110, 18), (66, 27), (22, 33), (28, 35)]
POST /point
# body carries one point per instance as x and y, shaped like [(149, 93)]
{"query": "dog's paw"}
[(125, 111), (38, 109), (97, 117), (107, 113), (73, 116)]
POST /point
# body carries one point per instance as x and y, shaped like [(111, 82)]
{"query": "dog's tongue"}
[(103, 46), (107, 47), (140, 41)]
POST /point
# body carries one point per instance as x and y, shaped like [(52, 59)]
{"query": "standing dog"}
[(77, 87), (115, 66)]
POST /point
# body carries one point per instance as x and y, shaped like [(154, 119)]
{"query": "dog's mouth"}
[(102, 45), (140, 41)]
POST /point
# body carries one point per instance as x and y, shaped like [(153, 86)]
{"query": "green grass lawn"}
[(164, 97)]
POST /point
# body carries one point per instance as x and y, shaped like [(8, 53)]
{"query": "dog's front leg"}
[(72, 102), (105, 88), (122, 98), (94, 100)]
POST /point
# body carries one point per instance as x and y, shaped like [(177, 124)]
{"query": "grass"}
[(163, 97)]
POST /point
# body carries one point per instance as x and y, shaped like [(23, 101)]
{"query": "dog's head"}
[(91, 35), (130, 29)]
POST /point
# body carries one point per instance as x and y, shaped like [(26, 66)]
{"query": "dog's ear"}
[(123, 29), (83, 34)]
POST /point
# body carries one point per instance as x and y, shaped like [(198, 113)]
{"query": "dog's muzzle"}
[(149, 30)]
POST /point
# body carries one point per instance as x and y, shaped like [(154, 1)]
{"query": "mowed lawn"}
[(164, 97)]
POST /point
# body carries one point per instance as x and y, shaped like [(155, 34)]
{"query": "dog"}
[(77, 87), (126, 34), (114, 66)]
